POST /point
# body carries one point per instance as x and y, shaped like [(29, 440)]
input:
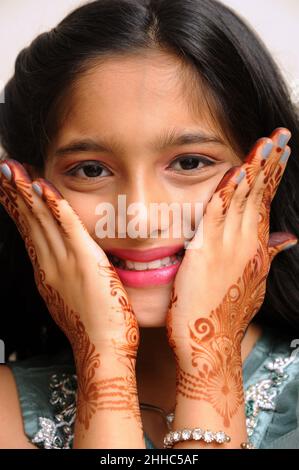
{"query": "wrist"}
[(210, 387), (103, 359), (205, 418), (206, 360), (202, 353), (106, 383), (104, 365)]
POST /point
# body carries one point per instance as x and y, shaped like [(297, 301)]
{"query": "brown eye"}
[(191, 163), (89, 170)]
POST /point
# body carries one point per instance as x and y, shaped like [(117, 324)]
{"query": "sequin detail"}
[(58, 433), (262, 395)]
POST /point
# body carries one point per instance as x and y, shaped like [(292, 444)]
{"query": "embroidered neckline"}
[(58, 433), (262, 395)]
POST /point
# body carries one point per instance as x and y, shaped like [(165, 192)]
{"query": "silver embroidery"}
[(58, 433), (262, 395)]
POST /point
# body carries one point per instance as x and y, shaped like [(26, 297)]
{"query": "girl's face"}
[(128, 105)]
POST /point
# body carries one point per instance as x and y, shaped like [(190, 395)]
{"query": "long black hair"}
[(232, 63)]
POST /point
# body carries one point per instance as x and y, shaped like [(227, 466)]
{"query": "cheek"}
[(85, 208), (86, 213)]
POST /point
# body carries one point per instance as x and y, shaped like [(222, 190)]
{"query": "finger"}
[(280, 241), (20, 214), (8, 196), (273, 176), (51, 229), (246, 190), (262, 215), (234, 188), (211, 225), (42, 227), (77, 237), (268, 166)]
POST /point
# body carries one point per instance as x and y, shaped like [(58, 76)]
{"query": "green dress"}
[(47, 393)]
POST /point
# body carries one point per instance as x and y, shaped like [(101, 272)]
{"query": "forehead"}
[(136, 95)]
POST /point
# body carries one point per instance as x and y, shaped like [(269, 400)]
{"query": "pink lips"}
[(152, 277)]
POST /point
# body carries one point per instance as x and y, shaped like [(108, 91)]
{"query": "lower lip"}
[(151, 277)]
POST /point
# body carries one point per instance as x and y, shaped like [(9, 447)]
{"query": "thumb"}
[(279, 241)]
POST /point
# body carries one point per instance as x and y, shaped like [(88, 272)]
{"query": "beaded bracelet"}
[(247, 445), (197, 434)]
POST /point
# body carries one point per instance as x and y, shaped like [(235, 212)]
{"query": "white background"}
[(276, 21)]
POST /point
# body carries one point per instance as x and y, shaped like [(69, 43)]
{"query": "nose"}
[(144, 201)]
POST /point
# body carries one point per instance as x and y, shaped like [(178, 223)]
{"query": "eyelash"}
[(205, 161)]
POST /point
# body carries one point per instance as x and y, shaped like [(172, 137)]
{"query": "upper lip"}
[(145, 255)]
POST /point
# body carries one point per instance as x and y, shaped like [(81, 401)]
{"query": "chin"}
[(150, 305), (154, 322)]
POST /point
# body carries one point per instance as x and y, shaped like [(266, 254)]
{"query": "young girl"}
[(160, 102)]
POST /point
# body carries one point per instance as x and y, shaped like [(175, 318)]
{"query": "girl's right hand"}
[(75, 278), (87, 300)]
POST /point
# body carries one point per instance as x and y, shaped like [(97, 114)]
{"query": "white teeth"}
[(156, 264), (139, 266), (130, 264), (165, 261)]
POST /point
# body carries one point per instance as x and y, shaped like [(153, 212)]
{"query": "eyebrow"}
[(166, 140)]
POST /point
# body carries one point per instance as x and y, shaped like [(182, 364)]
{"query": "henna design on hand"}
[(210, 368), (216, 346), (126, 352), (117, 290), (8, 198), (225, 188), (114, 393)]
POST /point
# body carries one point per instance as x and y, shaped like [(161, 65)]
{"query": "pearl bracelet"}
[(247, 445), (195, 434)]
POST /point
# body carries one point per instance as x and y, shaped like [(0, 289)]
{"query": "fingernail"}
[(240, 176), (283, 140), (267, 149), (37, 189), (284, 157), (6, 171)]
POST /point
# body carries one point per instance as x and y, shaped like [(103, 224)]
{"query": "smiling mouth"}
[(160, 263)]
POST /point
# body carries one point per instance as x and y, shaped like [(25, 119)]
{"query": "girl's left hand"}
[(221, 283)]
